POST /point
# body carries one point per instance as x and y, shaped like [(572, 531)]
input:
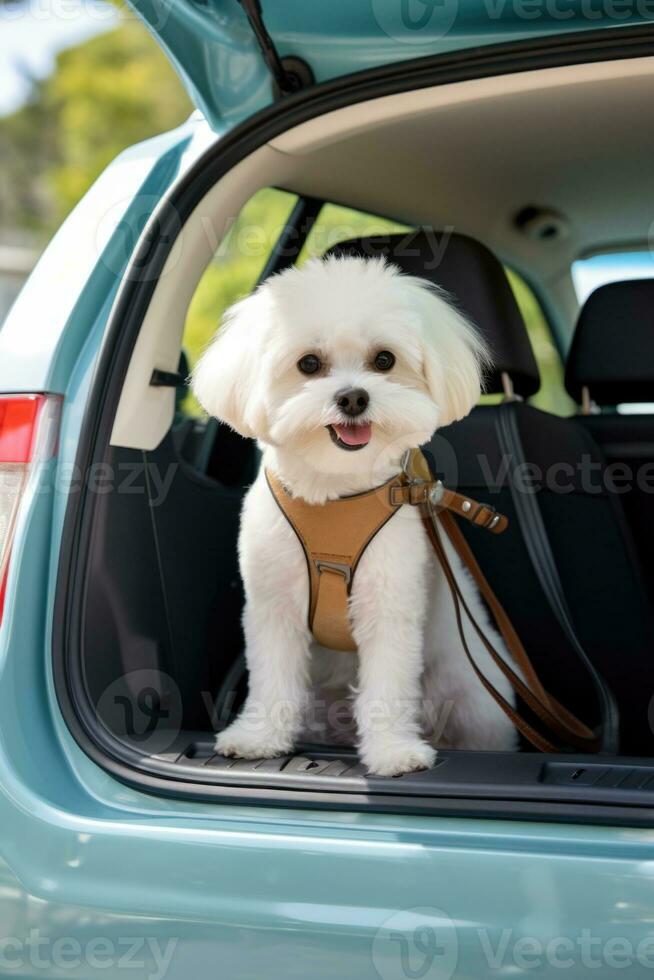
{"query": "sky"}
[(597, 270), (32, 32)]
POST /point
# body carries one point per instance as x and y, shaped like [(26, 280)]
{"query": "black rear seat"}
[(586, 528), (611, 362)]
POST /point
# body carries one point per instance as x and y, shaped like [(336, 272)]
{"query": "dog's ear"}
[(455, 355), (227, 379)]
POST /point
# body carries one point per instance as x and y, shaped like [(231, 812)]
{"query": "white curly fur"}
[(410, 687)]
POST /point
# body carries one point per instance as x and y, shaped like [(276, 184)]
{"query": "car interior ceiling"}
[(163, 589), (578, 149)]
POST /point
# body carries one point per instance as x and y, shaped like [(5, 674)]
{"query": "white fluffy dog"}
[(276, 372)]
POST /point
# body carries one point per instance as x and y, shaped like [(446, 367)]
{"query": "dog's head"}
[(345, 362)]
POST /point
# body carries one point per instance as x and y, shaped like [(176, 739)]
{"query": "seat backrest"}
[(611, 362), (612, 351), (585, 523), (475, 280)]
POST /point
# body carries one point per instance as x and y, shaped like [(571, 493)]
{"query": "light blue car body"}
[(97, 879)]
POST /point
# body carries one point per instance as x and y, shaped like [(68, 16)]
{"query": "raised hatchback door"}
[(236, 56)]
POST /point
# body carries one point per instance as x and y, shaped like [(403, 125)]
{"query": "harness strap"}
[(435, 494), (334, 536)]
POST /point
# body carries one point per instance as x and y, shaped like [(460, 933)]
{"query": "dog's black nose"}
[(352, 401)]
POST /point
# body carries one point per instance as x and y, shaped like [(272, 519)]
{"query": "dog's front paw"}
[(243, 743), (393, 759)]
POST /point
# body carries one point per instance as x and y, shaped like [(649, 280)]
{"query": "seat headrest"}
[(612, 352), (476, 281)]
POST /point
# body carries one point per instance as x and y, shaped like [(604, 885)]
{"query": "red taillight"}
[(17, 424), (28, 436)]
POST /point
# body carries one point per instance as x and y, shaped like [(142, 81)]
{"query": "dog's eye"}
[(309, 364), (384, 361)]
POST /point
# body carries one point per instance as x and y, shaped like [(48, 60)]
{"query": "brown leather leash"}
[(437, 509), (551, 713), (335, 535)]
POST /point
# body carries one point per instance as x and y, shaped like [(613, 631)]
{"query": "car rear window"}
[(598, 270), (242, 256)]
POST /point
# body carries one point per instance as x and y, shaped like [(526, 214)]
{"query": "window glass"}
[(237, 265), (552, 396), (597, 270), (338, 224), (242, 255), (234, 271)]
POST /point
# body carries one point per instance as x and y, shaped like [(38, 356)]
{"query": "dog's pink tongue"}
[(354, 435)]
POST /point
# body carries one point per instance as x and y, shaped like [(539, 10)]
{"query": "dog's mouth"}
[(350, 437)]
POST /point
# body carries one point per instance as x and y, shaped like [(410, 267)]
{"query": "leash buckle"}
[(415, 467), (436, 493), (335, 566), (492, 520)]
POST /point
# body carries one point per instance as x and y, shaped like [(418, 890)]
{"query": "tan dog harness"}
[(335, 535)]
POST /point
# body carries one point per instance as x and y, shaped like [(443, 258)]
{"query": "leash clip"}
[(415, 467), (436, 493), (416, 470)]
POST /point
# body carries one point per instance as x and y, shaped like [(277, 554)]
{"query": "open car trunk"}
[(148, 642), (163, 665)]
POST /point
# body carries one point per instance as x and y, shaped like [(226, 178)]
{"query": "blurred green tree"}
[(118, 89), (105, 94)]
